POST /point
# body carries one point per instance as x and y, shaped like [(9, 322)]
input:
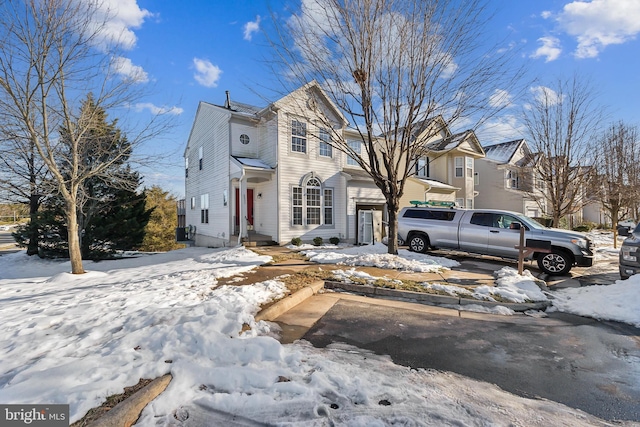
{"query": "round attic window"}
[(244, 138)]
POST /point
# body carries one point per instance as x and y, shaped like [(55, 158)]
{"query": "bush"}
[(296, 241), (317, 241), (334, 240), (585, 227), (547, 222)]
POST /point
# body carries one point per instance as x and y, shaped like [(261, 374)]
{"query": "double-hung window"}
[(356, 147), (422, 167), (325, 143), (200, 157), (469, 167), (204, 208), (512, 179), (298, 136), (459, 167)]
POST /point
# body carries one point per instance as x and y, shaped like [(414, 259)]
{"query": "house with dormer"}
[(506, 179), (445, 171)]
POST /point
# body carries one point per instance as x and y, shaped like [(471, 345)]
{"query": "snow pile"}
[(514, 287), (376, 256), (620, 301)]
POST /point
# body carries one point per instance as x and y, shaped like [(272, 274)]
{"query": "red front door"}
[(249, 206)]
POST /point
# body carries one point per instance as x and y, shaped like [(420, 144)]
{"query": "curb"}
[(274, 311), (424, 298), (127, 412)]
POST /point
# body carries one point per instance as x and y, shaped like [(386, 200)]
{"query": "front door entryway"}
[(249, 207)]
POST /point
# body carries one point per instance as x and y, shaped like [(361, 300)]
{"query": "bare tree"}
[(616, 158), (52, 53), (392, 67), (23, 178), (562, 122)]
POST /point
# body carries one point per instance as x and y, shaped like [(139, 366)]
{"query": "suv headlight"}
[(582, 243), (629, 253)]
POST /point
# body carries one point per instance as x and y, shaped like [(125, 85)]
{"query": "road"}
[(585, 364)]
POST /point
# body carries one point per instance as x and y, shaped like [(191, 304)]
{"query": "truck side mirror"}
[(514, 226)]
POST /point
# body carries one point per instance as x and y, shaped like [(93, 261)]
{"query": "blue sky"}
[(196, 50)]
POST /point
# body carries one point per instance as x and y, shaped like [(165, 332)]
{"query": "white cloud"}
[(117, 19), (206, 73), (600, 23), (546, 96), (251, 27), (546, 14), (550, 49), (155, 110), (124, 67), (500, 129), (500, 98)]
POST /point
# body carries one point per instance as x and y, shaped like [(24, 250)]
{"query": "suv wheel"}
[(418, 243), (556, 263)]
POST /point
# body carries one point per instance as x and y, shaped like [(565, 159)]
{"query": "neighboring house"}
[(270, 172), (506, 179), (446, 171)]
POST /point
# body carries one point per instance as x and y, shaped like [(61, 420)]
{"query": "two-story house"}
[(506, 179), (446, 170), (272, 171)]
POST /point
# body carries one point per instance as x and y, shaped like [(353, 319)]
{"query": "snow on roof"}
[(437, 184), (254, 163), (503, 152)]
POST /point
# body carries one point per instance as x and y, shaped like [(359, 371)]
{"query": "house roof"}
[(503, 153), (454, 141)]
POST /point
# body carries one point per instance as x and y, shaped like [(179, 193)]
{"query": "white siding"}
[(293, 167), (211, 132), (239, 149)]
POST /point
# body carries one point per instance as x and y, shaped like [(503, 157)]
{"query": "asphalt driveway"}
[(585, 364)]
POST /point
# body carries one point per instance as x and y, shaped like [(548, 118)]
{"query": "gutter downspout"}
[(241, 220)]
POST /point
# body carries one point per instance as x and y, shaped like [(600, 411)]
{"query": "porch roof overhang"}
[(255, 170), (356, 175), (434, 186)]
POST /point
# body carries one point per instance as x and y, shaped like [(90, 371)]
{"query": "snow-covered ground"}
[(78, 339)]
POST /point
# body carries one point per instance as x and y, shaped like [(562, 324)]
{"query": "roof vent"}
[(227, 103)]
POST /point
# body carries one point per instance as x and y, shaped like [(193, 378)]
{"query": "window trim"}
[(458, 165), (204, 208), (298, 140), (324, 143), (350, 160), (302, 205), (425, 168)]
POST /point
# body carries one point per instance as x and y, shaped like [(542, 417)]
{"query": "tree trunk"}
[(75, 255), (33, 234), (392, 239), (614, 222)]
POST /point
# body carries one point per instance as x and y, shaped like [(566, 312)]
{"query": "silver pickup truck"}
[(490, 232)]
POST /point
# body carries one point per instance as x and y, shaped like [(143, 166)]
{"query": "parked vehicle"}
[(625, 227), (493, 232), (630, 255)]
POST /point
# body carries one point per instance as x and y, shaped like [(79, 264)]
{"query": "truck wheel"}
[(418, 243), (556, 263)]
